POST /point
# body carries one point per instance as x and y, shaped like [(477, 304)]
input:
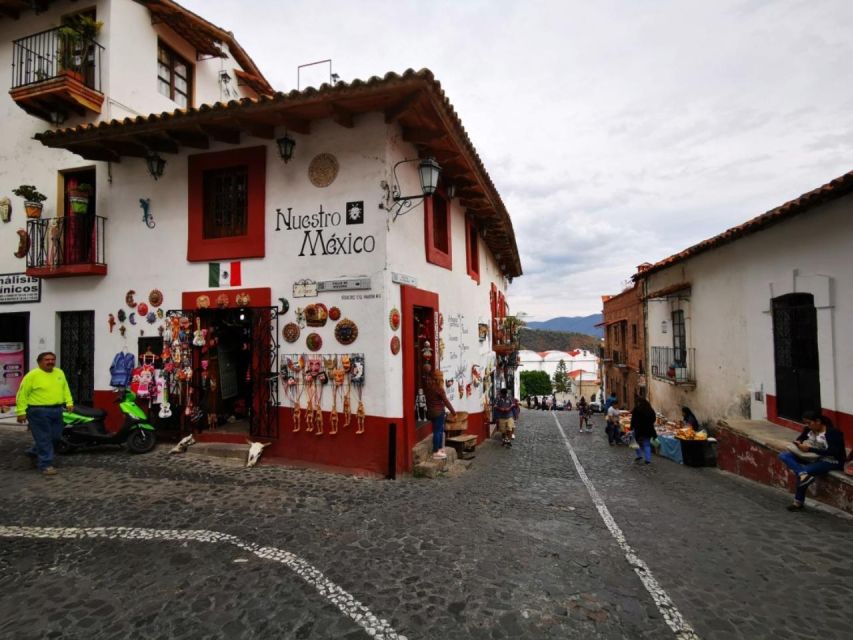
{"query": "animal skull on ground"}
[(255, 451), (183, 445)]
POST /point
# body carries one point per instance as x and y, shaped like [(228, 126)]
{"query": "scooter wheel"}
[(141, 441)]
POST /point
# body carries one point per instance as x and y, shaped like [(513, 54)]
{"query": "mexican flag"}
[(224, 274)]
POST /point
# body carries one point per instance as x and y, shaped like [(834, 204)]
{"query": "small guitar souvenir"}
[(346, 331), (334, 314), (198, 337), (165, 406)]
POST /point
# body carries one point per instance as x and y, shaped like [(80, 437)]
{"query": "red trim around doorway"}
[(410, 297), (842, 421)]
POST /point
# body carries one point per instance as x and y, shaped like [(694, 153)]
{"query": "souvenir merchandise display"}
[(142, 309), (310, 374), (394, 319), (395, 345), (222, 300), (202, 301), (334, 314), (243, 299), (128, 299), (111, 321), (155, 297), (314, 342), (291, 332), (121, 315), (131, 318), (316, 315)]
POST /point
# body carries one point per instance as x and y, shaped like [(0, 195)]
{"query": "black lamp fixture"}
[(429, 172), (156, 164), (285, 147)]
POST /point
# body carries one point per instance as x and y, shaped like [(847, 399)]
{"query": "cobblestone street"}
[(514, 548)]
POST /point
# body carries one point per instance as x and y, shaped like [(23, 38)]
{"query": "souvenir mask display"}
[(316, 315)]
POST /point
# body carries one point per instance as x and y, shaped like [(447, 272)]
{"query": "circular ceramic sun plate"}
[(395, 345), (323, 170), (314, 342), (142, 309), (291, 332), (334, 314), (346, 331), (394, 319), (155, 298)]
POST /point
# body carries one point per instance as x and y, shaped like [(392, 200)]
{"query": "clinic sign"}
[(19, 287)]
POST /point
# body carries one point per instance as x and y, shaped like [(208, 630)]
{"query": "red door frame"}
[(410, 297)]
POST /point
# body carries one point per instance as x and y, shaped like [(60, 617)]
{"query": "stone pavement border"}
[(375, 627)]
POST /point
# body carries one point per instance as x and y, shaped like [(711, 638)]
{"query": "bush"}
[(29, 193)]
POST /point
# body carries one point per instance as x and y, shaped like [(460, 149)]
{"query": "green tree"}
[(535, 383), (560, 377)]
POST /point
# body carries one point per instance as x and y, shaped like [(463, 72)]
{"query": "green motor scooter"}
[(84, 427)]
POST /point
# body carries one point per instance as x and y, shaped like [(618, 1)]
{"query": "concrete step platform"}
[(224, 450)]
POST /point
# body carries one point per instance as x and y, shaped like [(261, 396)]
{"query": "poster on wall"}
[(11, 371), (19, 287)]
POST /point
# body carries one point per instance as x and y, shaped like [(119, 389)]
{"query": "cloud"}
[(617, 132)]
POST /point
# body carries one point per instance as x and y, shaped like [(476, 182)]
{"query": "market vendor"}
[(689, 418)]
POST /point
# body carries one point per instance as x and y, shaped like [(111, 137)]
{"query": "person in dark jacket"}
[(643, 425), (821, 437), (689, 418)]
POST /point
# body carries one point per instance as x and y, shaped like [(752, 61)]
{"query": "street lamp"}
[(429, 171)]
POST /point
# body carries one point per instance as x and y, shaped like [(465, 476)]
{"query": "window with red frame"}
[(437, 230), (226, 201), (472, 257)]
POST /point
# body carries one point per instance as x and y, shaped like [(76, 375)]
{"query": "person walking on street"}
[(822, 438), (612, 429), (582, 415), (516, 414), (503, 411), (436, 402), (41, 397), (643, 425)]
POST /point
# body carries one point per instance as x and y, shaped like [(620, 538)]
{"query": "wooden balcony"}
[(66, 247), (54, 75)]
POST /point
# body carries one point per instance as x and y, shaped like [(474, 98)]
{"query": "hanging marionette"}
[(357, 379), (346, 365), (309, 397), (321, 380), (338, 376), (290, 372)]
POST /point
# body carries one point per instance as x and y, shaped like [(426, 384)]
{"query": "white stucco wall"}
[(728, 319)]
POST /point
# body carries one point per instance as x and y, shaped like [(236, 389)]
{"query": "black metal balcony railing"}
[(49, 54), (674, 365), (66, 241)]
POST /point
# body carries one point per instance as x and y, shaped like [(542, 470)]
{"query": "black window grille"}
[(439, 224), (226, 210), (679, 338)]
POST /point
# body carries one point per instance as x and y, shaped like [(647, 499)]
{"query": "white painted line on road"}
[(375, 627), (667, 608)]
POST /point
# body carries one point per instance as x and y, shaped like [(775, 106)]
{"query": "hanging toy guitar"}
[(347, 408), (198, 337), (357, 378), (165, 407)]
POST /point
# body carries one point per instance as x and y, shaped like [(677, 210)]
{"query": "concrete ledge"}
[(751, 448)]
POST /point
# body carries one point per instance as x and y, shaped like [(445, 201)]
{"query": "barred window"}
[(226, 211)]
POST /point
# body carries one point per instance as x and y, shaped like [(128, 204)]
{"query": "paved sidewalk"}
[(514, 548)]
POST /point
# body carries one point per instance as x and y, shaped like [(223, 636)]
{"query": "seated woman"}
[(689, 418), (821, 437)]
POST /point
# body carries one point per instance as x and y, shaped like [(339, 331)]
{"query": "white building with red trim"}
[(753, 322), (332, 269)]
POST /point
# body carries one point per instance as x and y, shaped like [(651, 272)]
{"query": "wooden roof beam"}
[(95, 153), (156, 143), (342, 116), (422, 136), (293, 123), (229, 135), (125, 148), (392, 114), (256, 129), (194, 138)]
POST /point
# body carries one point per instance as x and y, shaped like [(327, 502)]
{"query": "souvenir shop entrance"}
[(226, 376)]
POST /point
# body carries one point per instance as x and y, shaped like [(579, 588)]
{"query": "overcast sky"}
[(616, 131)]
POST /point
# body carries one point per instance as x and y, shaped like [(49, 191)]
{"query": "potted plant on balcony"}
[(78, 198), (33, 199), (77, 35)]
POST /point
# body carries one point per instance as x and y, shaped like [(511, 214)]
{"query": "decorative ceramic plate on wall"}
[(291, 332), (323, 170), (334, 314), (346, 331), (314, 342), (394, 319), (395, 345)]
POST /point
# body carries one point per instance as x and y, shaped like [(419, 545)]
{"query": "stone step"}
[(226, 450)]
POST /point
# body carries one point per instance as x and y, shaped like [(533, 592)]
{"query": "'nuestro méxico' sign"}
[(19, 287), (322, 234)]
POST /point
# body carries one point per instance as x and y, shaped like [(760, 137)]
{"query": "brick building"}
[(622, 362)]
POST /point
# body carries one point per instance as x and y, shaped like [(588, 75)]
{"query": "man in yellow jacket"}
[(41, 397)]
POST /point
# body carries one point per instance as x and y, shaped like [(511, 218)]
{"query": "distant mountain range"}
[(573, 324)]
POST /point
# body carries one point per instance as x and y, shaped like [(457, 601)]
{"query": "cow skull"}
[(183, 445), (255, 451)]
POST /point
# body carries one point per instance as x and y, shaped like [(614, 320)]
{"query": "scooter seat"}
[(90, 412)]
